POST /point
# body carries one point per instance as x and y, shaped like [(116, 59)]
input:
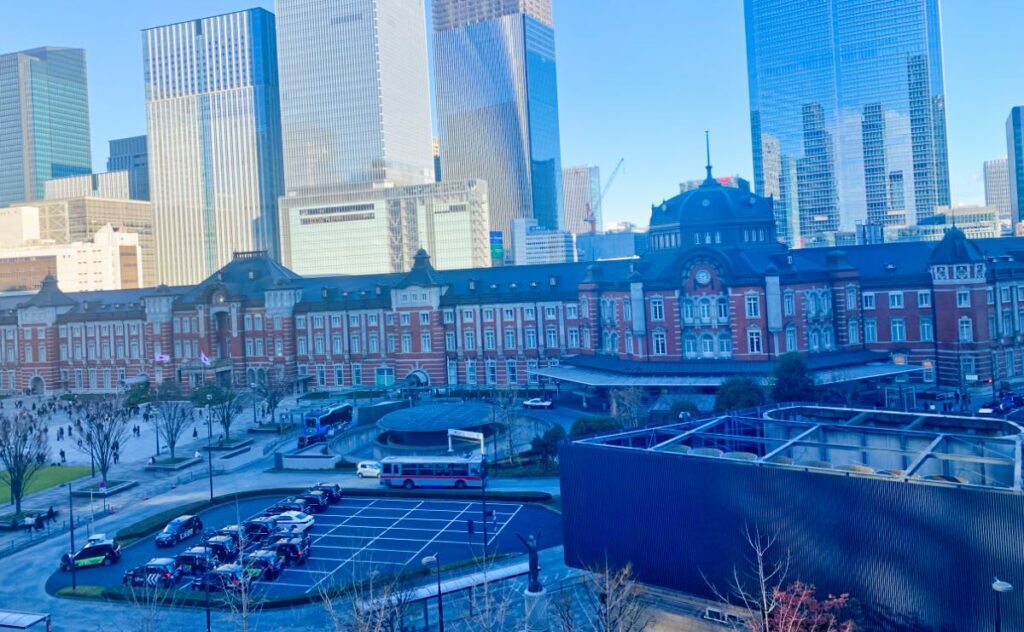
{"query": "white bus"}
[(431, 471)]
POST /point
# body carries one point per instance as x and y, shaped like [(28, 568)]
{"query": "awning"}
[(20, 620), (608, 379)]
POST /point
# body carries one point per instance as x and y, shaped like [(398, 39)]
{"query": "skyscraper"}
[(848, 114), (1015, 162), (44, 120), (131, 155), (581, 199), (214, 141), (497, 105), (997, 187)]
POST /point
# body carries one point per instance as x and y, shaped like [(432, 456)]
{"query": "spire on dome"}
[(707, 149)]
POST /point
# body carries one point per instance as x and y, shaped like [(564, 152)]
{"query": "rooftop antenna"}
[(707, 148)]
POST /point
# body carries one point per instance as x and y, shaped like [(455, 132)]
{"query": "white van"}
[(368, 469)]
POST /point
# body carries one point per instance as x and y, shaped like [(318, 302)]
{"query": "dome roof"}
[(956, 248), (712, 202)]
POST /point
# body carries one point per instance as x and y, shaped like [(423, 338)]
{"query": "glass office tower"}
[(497, 105), (131, 155), (848, 116), (44, 120), (214, 141), (1015, 163)]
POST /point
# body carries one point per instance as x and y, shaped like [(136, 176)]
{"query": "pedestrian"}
[(196, 455), (63, 456), (195, 433)]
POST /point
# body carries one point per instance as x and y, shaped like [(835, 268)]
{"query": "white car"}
[(368, 469), (538, 402), (292, 519)]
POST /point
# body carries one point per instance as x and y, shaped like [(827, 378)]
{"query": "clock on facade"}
[(703, 277)]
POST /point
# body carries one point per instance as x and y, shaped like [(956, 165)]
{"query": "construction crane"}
[(591, 218)]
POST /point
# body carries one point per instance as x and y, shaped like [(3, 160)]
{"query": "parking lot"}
[(358, 536)]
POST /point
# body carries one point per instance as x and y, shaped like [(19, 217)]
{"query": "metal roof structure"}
[(909, 447), (436, 417), (12, 620)]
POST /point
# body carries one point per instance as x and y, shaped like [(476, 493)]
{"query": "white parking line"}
[(438, 534), (501, 527), (342, 524), (354, 555)]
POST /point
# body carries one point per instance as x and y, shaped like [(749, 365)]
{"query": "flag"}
[(162, 357), (204, 359)]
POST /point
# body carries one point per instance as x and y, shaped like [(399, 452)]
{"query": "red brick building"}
[(715, 296)]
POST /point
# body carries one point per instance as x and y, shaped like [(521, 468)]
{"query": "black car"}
[(161, 572), (224, 548), (263, 565), (294, 551), (333, 491), (98, 550), (233, 531), (259, 530), (178, 529), (225, 577), (196, 560), (316, 500), (288, 504)]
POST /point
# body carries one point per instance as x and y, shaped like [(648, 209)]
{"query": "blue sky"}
[(639, 80)]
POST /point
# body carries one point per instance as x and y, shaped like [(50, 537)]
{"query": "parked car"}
[(179, 529), (368, 469), (294, 518), (258, 530), (224, 548), (233, 531), (226, 577), (316, 500), (263, 564), (288, 504), (98, 551), (538, 403), (294, 551), (333, 491), (196, 560), (159, 572)]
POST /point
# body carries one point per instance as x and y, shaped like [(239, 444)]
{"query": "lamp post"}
[(71, 531), (435, 561), (999, 586), (253, 387), (209, 441)]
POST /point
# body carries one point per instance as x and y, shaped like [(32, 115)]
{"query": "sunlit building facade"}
[(131, 155), (848, 114), (44, 120), (214, 141), (497, 105), (1015, 162), (581, 199)]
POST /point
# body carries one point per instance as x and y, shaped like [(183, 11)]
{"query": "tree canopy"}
[(793, 382), (737, 393)]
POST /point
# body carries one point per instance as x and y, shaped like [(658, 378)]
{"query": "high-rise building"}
[(735, 182), (1015, 162), (380, 230), (976, 222), (78, 219), (214, 141), (355, 113), (44, 120), (581, 199), (848, 116), (533, 244), (497, 105), (113, 185), (131, 155), (997, 188)]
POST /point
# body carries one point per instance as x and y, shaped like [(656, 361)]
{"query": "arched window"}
[(812, 304), (827, 337), (688, 309), (791, 339), (613, 343), (814, 344), (658, 346), (690, 346), (725, 344), (755, 343), (705, 310), (966, 329), (707, 346)]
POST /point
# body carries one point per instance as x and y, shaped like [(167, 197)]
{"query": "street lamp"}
[(999, 586), (253, 387), (209, 442), (71, 531), (435, 561)]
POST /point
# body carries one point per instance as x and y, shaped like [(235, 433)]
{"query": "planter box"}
[(96, 492), (310, 458), (158, 467), (229, 447)]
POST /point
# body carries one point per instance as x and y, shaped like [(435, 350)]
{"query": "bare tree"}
[(373, 605), (150, 608), (243, 602), (171, 414), (23, 452), (272, 395), (490, 606), (629, 406), (608, 600), (104, 432), (223, 403)]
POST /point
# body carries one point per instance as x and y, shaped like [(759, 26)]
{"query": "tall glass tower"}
[(131, 155), (497, 105), (1015, 163), (848, 116), (214, 141), (44, 120)]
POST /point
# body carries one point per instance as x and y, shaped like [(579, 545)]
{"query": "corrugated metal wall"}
[(917, 557)]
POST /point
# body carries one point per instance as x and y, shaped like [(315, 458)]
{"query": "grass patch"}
[(82, 592), (49, 476)]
